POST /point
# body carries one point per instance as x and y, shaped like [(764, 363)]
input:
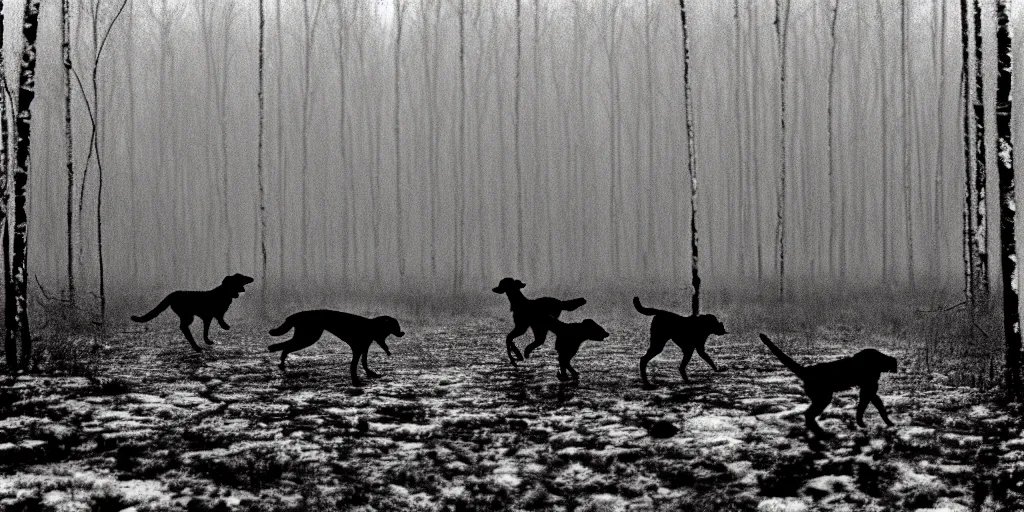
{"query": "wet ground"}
[(451, 425)]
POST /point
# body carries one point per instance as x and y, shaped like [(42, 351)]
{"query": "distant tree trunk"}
[(691, 163), (969, 200), (939, 165), (19, 257), (69, 150), (308, 39), (831, 144), (259, 158), (1008, 202), (459, 188), (738, 109), (282, 213), (908, 212), (884, 85), (613, 129), (981, 277), (649, 41), (515, 139), (398, 147), (781, 27)]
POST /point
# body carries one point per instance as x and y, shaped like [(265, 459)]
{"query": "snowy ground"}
[(452, 426)]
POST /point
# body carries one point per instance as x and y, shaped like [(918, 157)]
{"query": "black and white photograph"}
[(510, 255)]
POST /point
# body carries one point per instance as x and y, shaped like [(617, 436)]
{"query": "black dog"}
[(207, 305), (689, 332), (862, 370), (527, 314), (359, 332), (568, 338)]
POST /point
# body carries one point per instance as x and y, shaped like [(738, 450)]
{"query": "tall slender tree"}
[(691, 163), (399, 8), (969, 197), (69, 150), (1007, 202), (981, 277), (19, 257), (781, 28), (259, 155)]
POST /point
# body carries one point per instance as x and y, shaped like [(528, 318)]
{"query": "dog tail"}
[(644, 311), (277, 331), (573, 304), (164, 304), (793, 366)]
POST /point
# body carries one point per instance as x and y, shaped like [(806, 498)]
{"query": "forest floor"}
[(451, 425)]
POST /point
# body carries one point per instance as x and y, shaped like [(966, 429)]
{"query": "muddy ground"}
[(451, 425)]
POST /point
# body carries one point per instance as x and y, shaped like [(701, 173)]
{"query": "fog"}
[(584, 183)]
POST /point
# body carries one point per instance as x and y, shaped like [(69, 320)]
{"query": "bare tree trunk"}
[(6, 172), (691, 163), (908, 212), (969, 199), (981, 277), (515, 139), (883, 64), (831, 144), (781, 27), (398, 138), (460, 188), (69, 148), (19, 257), (281, 163), (1008, 202), (259, 158), (939, 165)]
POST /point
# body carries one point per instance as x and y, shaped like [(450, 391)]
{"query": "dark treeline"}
[(572, 165)]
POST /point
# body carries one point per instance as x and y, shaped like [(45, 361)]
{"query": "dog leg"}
[(300, 339), (818, 405), (877, 401), (186, 321), (369, 373), (657, 345), (575, 374), (206, 331), (704, 355), (687, 354), (354, 366), (539, 335), (223, 325), (510, 346)]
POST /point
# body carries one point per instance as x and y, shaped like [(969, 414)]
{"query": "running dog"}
[(861, 370), (527, 314), (207, 305), (359, 332)]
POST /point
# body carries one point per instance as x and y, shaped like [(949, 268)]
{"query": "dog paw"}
[(562, 377), (372, 375)]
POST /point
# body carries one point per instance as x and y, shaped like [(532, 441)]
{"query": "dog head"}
[(508, 284), (876, 360), (593, 331), (712, 325), (388, 326), (235, 284)]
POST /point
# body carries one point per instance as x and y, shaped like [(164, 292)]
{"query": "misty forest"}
[(816, 196)]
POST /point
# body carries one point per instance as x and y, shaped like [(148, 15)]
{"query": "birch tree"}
[(1007, 202), (23, 126), (981, 283)]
